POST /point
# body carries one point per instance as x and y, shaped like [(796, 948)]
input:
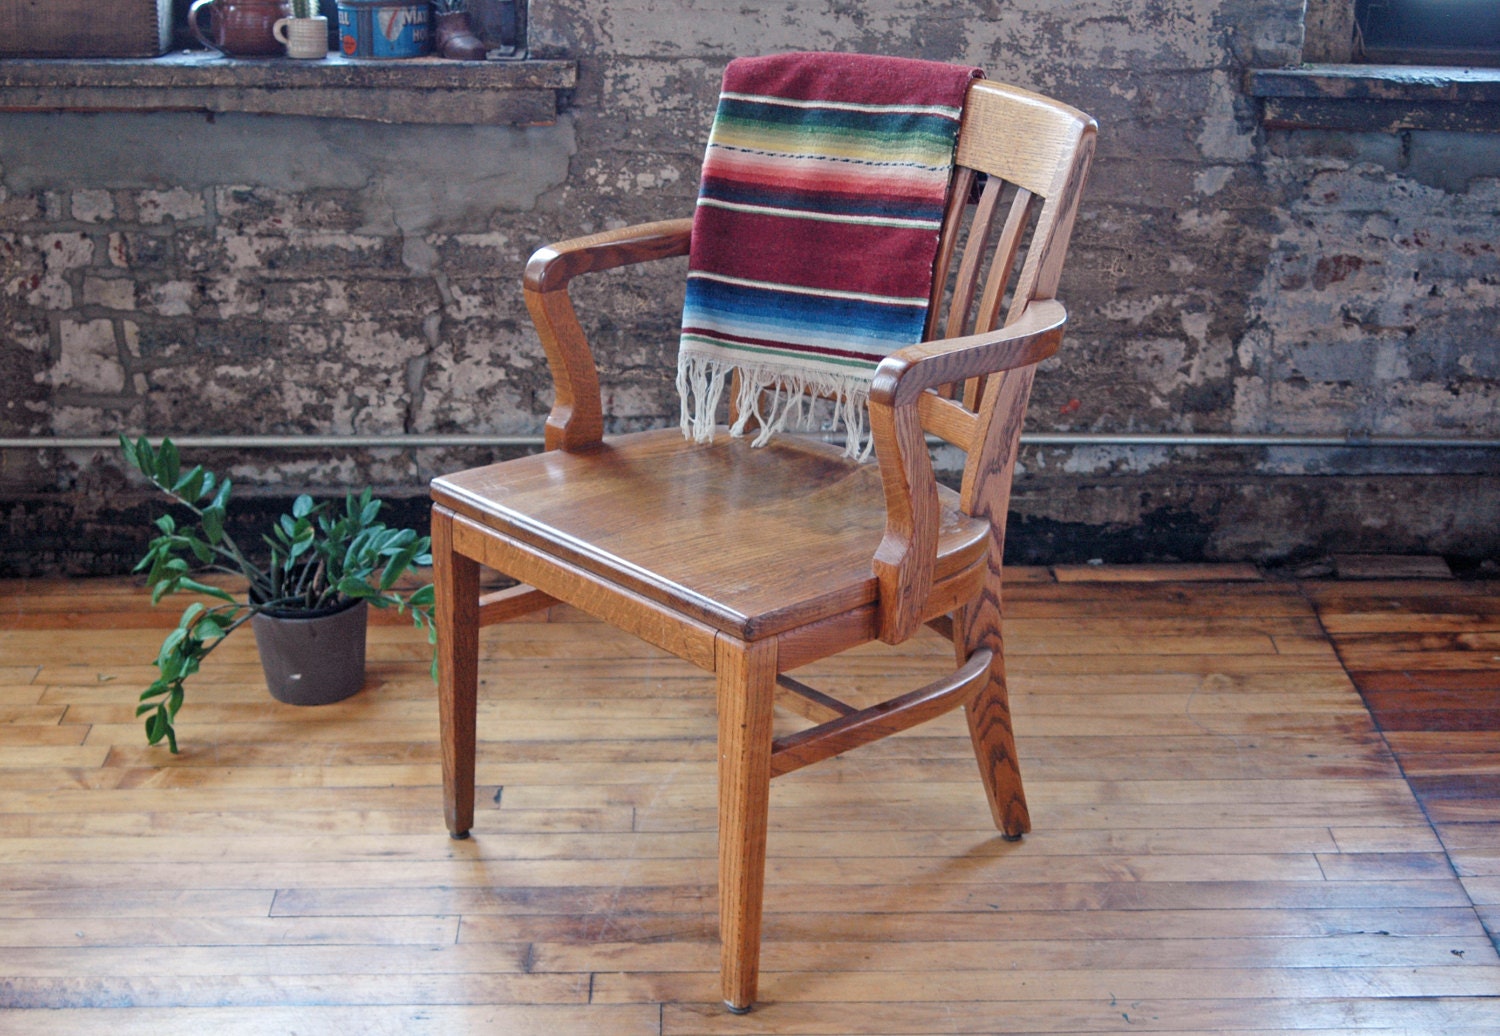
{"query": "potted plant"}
[(323, 567), (305, 33)]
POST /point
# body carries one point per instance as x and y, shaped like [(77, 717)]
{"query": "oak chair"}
[(752, 562)]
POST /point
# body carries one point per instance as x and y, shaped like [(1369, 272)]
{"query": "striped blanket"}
[(814, 235)]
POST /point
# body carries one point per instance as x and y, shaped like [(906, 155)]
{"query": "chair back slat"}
[(953, 215), (975, 252), (1002, 266), (1031, 154), (1001, 273)]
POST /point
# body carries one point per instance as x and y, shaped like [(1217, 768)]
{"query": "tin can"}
[(383, 28)]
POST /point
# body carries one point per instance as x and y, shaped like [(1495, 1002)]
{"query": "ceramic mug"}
[(304, 37), (238, 28)]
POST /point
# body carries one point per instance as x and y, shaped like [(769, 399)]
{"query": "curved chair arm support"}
[(1030, 338), (907, 553), (577, 417)]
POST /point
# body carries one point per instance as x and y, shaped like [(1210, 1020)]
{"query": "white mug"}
[(304, 37)]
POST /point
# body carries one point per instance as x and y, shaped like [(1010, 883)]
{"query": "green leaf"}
[(145, 457), (190, 485), (302, 540), (398, 565), (168, 463), (213, 524), (166, 524), (210, 627), (302, 506), (158, 573), (172, 667), (204, 588), (160, 588), (351, 586)]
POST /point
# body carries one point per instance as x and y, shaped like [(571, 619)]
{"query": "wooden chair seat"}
[(753, 542)]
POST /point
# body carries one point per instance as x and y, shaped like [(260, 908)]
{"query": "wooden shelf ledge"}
[(413, 90), (1377, 98)]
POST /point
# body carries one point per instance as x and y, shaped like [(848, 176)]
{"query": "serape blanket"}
[(814, 234)]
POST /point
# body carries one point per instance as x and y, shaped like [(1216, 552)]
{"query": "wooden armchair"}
[(751, 562)]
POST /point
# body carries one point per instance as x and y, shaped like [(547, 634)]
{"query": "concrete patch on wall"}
[(414, 178), (255, 274)]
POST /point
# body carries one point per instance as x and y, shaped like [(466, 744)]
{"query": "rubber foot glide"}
[(737, 1010), (458, 836)]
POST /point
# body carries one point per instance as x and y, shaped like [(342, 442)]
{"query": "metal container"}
[(383, 28)]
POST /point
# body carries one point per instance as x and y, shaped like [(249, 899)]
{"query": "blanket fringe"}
[(775, 399)]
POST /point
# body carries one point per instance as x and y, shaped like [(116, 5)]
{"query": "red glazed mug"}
[(239, 28)]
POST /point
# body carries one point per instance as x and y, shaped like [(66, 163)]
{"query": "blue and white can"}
[(383, 28)]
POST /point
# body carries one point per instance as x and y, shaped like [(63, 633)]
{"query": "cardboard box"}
[(85, 28)]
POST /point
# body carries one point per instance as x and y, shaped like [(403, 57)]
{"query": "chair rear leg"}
[(989, 719), (456, 582), (747, 686)]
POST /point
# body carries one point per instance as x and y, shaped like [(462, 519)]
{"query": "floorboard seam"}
[(1436, 829)]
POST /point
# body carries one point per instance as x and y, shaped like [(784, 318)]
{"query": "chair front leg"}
[(456, 584), (747, 688)]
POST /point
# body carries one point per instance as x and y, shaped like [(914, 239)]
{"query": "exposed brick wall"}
[(281, 275)]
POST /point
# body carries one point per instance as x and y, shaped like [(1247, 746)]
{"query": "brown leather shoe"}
[(455, 37)]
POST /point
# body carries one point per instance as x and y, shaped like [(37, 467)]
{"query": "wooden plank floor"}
[(1224, 839), (1425, 657)]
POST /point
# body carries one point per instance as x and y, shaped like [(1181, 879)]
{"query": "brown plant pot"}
[(313, 658)]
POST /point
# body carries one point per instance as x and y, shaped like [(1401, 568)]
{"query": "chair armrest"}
[(551, 267), (907, 554), (1031, 338), (577, 418)]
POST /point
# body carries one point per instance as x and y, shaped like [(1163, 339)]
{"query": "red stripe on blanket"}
[(871, 259), (860, 78)]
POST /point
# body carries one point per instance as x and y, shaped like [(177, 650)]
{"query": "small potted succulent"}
[(306, 595), (305, 33)]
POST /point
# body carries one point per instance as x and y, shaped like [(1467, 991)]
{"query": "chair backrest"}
[(1021, 163)]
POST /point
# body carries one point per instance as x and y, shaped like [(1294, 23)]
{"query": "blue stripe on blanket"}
[(855, 324)]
